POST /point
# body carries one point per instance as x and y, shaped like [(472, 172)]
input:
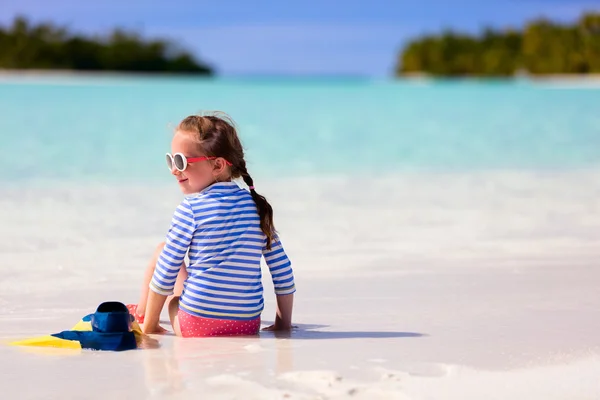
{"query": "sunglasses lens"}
[(179, 162), (169, 162)]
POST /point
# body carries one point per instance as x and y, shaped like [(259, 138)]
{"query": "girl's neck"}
[(225, 178)]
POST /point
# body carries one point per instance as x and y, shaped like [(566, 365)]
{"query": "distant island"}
[(541, 48), (46, 47)]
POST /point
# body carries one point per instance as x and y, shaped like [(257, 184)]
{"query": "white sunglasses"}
[(181, 162)]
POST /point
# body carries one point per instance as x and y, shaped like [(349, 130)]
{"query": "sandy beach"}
[(404, 292), (40, 74)]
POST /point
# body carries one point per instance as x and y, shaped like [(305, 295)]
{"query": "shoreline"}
[(98, 73), (9, 73), (518, 77)]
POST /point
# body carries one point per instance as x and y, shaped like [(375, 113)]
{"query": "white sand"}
[(414, 286)]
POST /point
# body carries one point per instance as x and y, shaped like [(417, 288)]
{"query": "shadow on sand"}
[(312, 332)]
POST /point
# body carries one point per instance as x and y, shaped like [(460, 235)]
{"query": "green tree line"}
[(542, 47), (45, 46)]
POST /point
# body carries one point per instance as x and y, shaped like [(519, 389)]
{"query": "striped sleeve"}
[(177, 243), (280, 268)]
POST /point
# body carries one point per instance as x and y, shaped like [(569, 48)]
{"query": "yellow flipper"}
[(84, 325), (48, 341)]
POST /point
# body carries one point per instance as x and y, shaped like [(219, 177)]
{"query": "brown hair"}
[(217, 137)]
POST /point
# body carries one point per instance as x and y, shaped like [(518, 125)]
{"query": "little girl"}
[(224, 230)]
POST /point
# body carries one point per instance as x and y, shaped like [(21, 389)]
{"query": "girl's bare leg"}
[(173, 311), (178, 290)]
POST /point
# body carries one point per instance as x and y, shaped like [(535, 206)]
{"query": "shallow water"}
[(91, 129)]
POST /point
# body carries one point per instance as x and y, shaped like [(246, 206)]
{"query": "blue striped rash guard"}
[(219, 230)]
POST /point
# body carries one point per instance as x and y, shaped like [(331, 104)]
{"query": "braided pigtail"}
[(265, 211), (216, 136)]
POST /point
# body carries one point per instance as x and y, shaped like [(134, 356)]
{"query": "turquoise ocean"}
[(118, 128)]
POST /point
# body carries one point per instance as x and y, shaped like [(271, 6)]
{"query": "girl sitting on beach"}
[(224, 230)]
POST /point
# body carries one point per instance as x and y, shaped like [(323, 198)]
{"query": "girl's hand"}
[(275, 328), (279, 326)]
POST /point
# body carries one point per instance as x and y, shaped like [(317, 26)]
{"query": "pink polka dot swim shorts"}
[(194, 326)]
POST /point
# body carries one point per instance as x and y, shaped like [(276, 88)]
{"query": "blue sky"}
[(292, 37)]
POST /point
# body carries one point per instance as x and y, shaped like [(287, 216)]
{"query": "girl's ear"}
[(219, 165)]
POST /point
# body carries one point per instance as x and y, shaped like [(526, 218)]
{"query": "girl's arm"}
[(283, 318), (169, 264), (153, 308), (282, 275)]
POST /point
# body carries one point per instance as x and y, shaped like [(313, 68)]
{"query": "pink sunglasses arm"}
[(203, 158)]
